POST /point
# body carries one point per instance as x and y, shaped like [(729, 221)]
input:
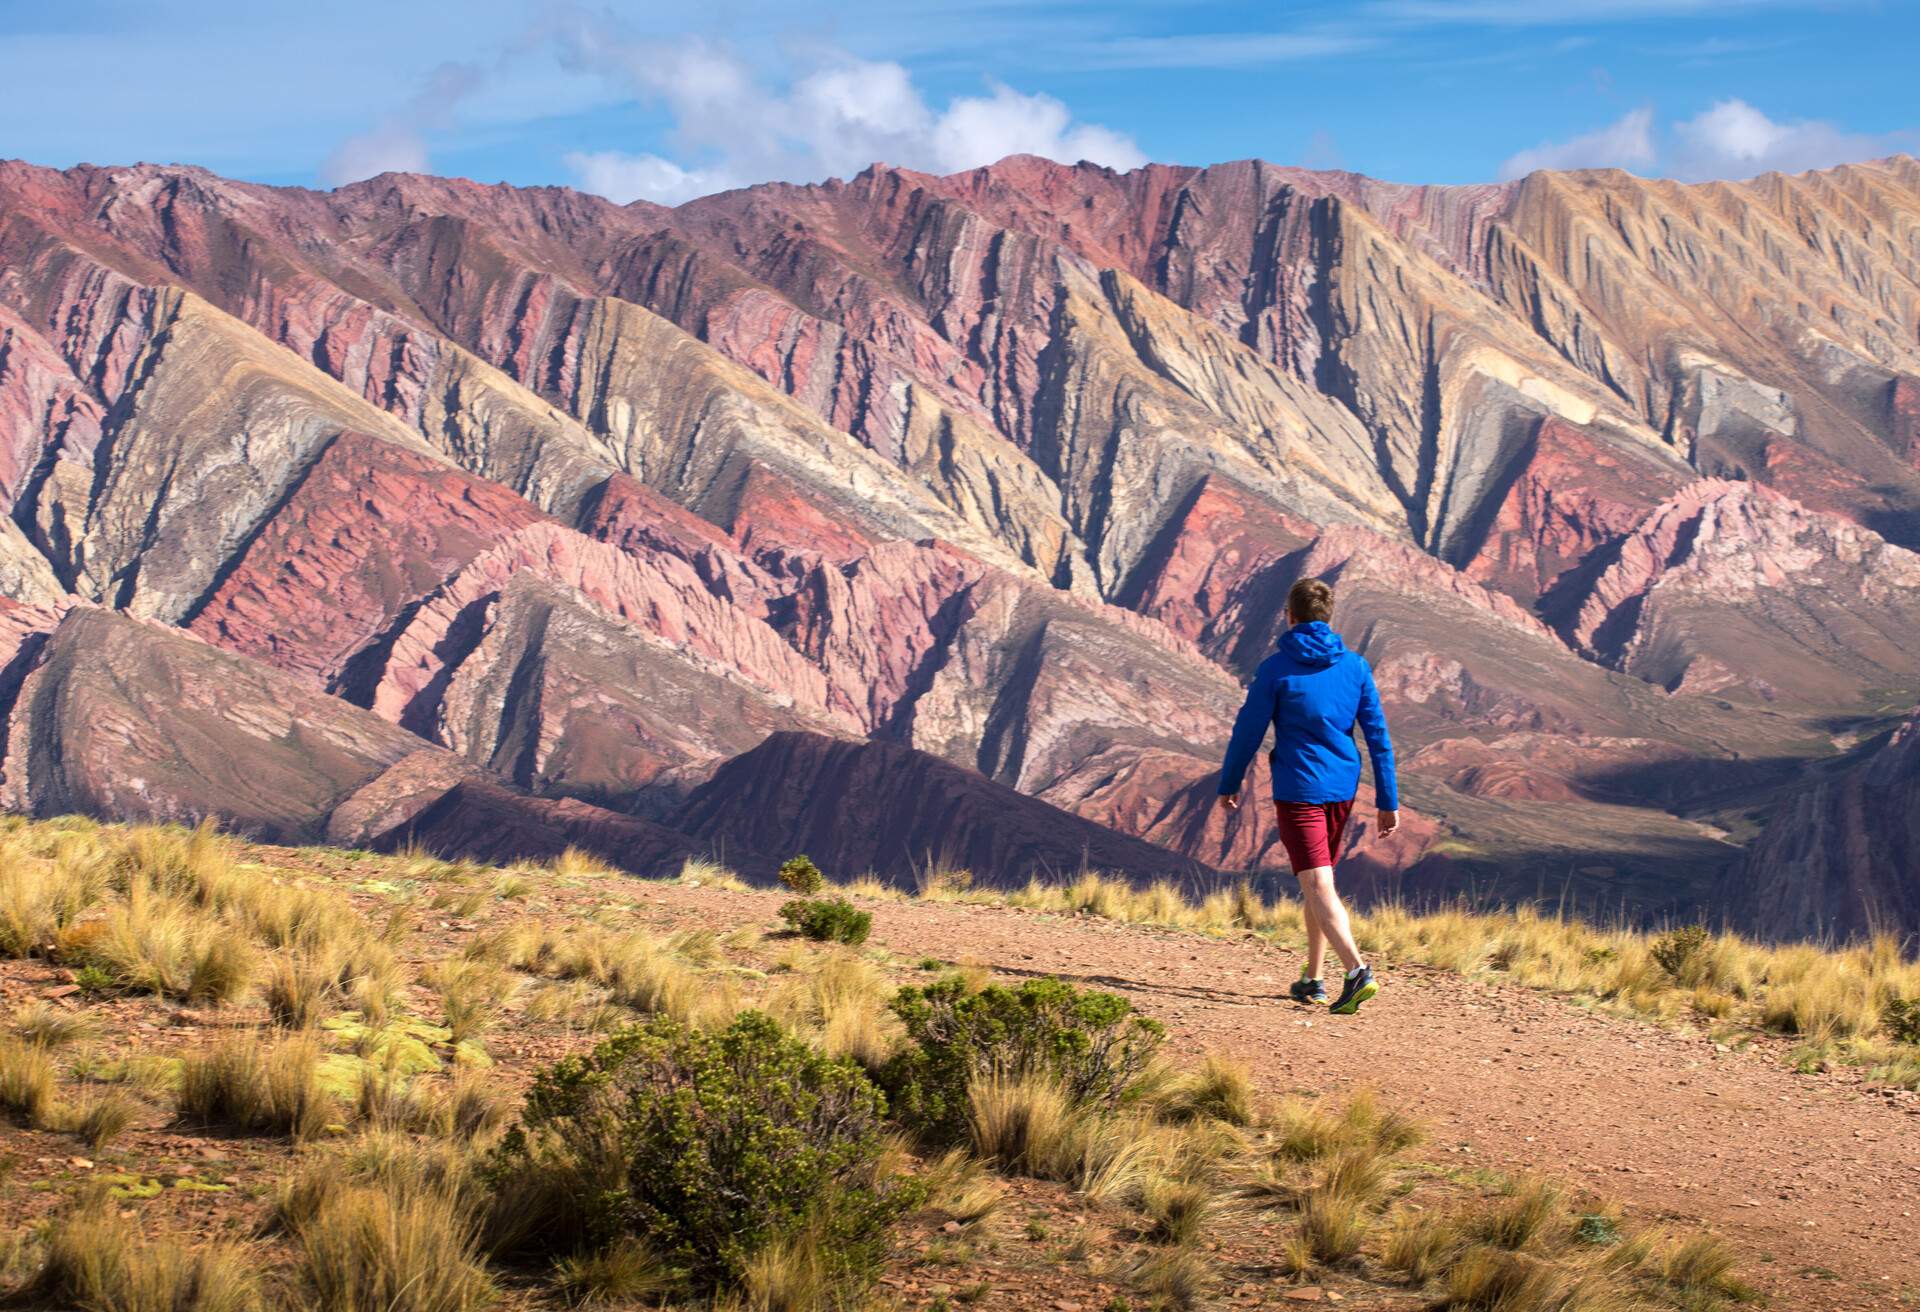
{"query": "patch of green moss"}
[(401, 1047), (187, 1184)]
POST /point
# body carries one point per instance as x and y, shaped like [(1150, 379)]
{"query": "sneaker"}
[(1358, 989), (1308, 990)]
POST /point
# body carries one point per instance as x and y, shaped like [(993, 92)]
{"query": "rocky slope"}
[(1007, 471), (1837, 856)]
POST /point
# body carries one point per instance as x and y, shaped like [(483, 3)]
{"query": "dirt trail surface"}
[(1816, 1180)]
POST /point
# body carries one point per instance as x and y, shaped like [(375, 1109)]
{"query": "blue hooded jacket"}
[(1312, 691)]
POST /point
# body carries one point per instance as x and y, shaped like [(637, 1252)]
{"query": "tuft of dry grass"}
[(387, 1101), (841, 999), (156, 943), (27, 1080), (101, 1118), (1026, 1126), (1499, 1280), (1029, 1126), (47, 1026), (625, 1271), (1220, 1089), (1178, 1211), (577, 863), (565, 1002), (1178, 1277), (302, 988), (1421, 1245), (1704, 1265), (471, 994), (1309, 1131), (959, 1187), (388, 1247), (468, 1110), (1333, 1225), (525, 945), (788, 1275), (702, 873), (256, 1084), (1528, 1217), (41, 898), (94, 1260)]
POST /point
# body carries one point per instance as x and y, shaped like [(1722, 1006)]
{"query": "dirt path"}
[(1815, 1180)]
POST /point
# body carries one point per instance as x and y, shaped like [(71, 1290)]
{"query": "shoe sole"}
[(1352, 1004)]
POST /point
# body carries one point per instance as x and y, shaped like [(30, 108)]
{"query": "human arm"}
[(1373, 725), (1249, 731)]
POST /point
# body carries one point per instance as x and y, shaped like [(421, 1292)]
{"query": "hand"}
[(1229, 801), (1389, 821)]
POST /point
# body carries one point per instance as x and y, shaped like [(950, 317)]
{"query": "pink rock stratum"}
[(913, 518)]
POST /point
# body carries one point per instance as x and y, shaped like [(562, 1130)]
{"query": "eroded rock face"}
[(369, 529), (1838, 856), (1731, 586), (1012, 467), (125, 718)]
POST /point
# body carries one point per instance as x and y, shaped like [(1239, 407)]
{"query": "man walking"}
[(1312, 691)]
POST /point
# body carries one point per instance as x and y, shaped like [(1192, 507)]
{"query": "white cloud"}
[(1734, 140), (1730, 139), (626, 178), (732, 128), (398, 144), (389, 148), (978, 130), (1625, 143)]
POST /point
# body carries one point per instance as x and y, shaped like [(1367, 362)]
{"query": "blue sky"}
[(668, 100)]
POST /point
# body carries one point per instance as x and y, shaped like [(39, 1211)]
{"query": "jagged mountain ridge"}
[(1012, 467)]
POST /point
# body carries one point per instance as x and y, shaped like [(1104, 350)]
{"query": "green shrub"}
[(1677, 952), (1902, 1018), (802, 876), (1598, 1229), (831, 921), (709, 1148), (1092, 1044)]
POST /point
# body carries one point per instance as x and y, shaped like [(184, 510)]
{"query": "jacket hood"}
[(1313, 644)]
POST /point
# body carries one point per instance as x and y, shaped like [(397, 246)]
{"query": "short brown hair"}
[(1310, 599)]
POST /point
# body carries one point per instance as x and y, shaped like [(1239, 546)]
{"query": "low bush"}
[(802, 876), (1093, 1045), (710, 1148), (1679, 952), (1901, 1016), (831, 920)]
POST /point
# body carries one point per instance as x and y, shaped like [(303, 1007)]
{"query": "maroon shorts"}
[(1312, 831)]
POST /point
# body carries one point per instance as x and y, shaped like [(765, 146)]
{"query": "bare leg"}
[(1323, 903), (1316, 937)]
